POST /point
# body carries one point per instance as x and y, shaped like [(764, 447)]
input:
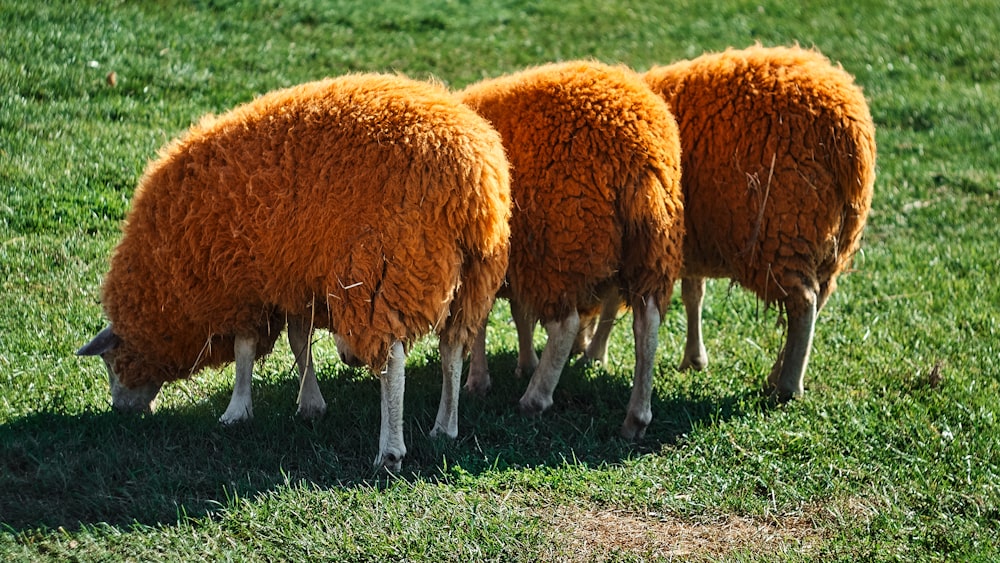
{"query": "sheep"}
[(597, 211), (372, 205), (778, 171)]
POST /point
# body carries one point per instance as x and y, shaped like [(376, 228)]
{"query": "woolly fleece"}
[(779, 166), (595, 180), (374, 205)]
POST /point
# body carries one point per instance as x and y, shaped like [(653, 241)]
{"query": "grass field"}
[(891, 456)]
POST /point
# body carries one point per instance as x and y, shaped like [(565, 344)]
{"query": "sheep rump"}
[(597, 210), (372, 205), (779, 169)]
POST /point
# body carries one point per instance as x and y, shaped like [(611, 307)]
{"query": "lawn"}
[(892, 455)]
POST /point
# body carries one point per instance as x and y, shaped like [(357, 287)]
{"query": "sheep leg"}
[(692, 294), (561, 334), (785, 380), (588, 327), (310, 399), (597, 350), (391, 446), (524, 322), (446, 422), (240, 407), (645, 327), (478, 381)]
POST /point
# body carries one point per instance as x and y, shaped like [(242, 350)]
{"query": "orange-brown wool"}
[(779, 166), (364, 202), (595, 179)]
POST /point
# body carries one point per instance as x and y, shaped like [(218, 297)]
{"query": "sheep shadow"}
[(71, 470)]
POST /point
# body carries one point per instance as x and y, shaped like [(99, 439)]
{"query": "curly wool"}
[(375, 205), (595, 179), (779, 166)]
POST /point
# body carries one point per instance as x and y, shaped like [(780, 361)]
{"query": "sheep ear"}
[(105, 341)]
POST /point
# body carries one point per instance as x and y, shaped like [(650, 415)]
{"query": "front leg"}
[(645, 324), (597, 351), (588, 326), (310, 399), (524, 322), (446, 422), (240, 407), (391, 446), (478, 381)]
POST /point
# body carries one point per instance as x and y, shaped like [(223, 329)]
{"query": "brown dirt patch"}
[(600, 533)]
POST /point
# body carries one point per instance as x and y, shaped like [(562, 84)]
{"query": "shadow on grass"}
[(68, 470)]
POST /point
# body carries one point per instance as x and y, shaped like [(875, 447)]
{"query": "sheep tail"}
[(653, 218)]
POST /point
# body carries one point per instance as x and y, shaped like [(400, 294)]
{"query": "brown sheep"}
[(779, 168), (595, 179), (372, 205)]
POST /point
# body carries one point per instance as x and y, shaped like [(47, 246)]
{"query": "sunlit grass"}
[(891, 455)]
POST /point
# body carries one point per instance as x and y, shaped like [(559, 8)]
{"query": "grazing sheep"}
[(779, 167), (595, 180), (371, 205)]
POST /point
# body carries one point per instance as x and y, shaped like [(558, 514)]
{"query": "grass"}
[(892, 455)]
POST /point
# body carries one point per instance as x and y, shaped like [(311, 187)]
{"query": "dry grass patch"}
[(599, 533)]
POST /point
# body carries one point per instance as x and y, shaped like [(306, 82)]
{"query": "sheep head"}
[(113, 349)]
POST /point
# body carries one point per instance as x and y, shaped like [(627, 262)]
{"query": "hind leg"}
[(692, 294), (310, 399), (561, 334), (645, 324), (785, 380)]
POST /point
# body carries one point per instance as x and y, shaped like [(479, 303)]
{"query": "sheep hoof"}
[(311, 412), (523, 371), (780, 391), (478, 386), (586, 360), (229, 419), (782, 395), (634, 429), (532, 406), (697, 363), (390, 462), (441, 432)]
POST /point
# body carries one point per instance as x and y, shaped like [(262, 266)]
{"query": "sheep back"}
[(595, 182), (778, 161), (354, 201)]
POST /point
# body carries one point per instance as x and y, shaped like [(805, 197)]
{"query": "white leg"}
[(391, 447), (789, 370), (310, 399), (692, 294), (645, 324), (561, 334), (240, 407), (597, 351), (478, 381), (446, 422), (524, 322)]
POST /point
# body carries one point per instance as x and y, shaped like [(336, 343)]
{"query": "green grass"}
[(892, 455)]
